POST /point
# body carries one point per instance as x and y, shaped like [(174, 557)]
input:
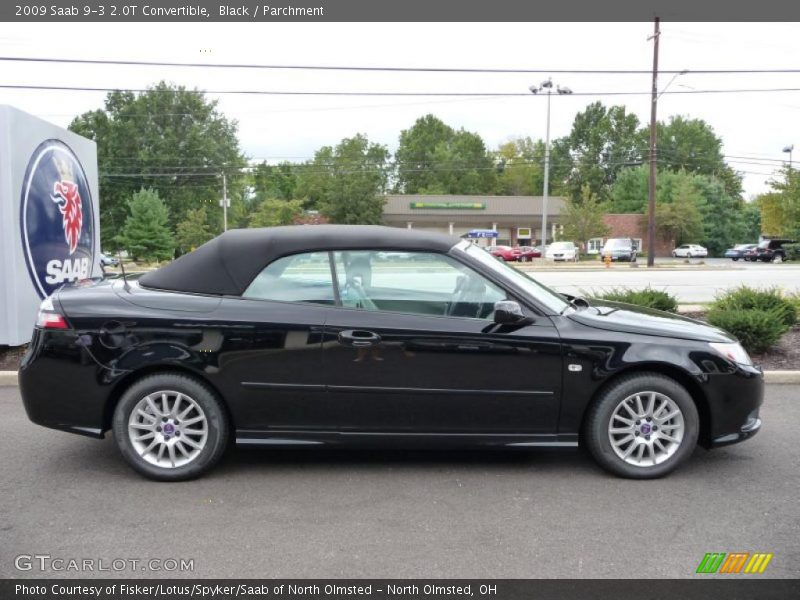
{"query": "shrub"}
[(757, 330), (770, 300), (795, 299), (648, 297), (792, 251)]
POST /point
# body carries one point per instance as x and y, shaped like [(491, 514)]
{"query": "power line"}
[(63, 88), (390, 69)]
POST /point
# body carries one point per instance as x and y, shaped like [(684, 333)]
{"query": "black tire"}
[(596, 434), (777, 257), (216, 418), (735, 259)]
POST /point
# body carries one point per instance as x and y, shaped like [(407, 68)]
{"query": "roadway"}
[(689, 284)]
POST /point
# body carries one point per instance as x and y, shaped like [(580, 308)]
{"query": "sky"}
[(754, 127)]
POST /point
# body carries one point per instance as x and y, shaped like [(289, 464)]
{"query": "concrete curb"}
[(9, 378), (782, 376)]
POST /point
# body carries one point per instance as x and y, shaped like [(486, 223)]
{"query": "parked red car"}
[(507, 253), (526, 253)]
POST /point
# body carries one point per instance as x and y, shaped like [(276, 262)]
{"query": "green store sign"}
[(449, 205)]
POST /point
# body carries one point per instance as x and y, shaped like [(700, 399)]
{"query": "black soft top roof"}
[(227, 264)]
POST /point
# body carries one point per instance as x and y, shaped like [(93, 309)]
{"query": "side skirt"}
[(299, 439)]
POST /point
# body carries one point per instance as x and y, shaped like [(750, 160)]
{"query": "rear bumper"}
[(60, 388)]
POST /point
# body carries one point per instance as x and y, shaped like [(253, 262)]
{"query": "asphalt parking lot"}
[(401, 514)]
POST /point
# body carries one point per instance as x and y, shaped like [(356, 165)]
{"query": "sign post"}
[(49, 216)]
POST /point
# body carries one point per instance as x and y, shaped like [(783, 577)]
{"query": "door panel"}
[(440, 374), (270, 362)]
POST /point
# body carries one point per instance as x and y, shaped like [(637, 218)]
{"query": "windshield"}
[(561, 245), (617, 244), (764, 244), (552, 300)]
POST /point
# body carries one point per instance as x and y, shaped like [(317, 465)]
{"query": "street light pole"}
[(548, 86), (546, 191), (789, 150)]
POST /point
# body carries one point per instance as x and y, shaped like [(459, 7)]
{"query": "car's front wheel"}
[(643, 426), (170, 427)]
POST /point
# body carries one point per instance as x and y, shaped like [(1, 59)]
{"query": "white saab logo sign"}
[(56, 218)]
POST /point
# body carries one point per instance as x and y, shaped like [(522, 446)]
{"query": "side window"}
[(414, 282), (296, 278)]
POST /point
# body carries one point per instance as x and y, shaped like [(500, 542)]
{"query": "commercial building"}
[(517, 219)]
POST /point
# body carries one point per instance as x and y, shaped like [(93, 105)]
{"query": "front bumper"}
[(746, 431), (734, 401)]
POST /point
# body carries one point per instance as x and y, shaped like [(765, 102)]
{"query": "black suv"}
[(772, 250)]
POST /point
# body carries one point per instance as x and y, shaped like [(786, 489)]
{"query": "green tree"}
[(414, 156), (780, 208), (193, 231), (603, 141), (275, 211), (751, 220), (169, 139), (723, 214), (681, 219), (146, 234), (692, 146), (520, 165), (724, 220), (434, 158), (347, 182), (771, 213), (583, 220), (275, 181)]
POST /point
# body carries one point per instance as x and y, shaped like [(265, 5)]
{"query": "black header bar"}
[(264, 11)]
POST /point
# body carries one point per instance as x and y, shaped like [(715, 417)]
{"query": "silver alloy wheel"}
[(168, 429), (646, 429)]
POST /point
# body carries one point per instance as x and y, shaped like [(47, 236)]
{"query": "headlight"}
[(733, 352)]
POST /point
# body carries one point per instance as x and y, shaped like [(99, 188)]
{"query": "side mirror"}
[(509, 312)]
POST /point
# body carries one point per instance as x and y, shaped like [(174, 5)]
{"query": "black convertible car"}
[(359, 335)]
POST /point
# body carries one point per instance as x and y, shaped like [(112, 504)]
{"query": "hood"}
[(617, 316)]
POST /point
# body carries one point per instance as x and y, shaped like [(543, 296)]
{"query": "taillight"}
[(49, 318)]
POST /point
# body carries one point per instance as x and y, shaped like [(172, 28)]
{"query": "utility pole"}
[(651, 191), (224, 202)]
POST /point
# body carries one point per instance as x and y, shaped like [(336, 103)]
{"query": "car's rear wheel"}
[(170, 427), (643, 426), (777, 257)]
